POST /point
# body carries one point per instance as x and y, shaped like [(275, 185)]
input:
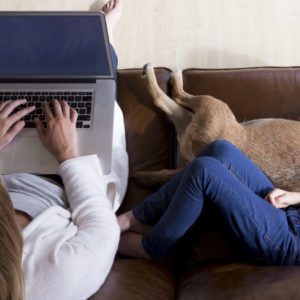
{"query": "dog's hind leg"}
[(181, 97), (160, 99), (177, 82), (179, 116)]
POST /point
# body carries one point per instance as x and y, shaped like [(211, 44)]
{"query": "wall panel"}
[(196, 33)]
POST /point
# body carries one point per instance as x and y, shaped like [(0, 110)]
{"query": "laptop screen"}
[(53, 45)]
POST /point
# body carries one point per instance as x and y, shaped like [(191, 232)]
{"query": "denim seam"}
[(293, 229), (295, 256), (267, 237), (253, 220), (251, 217), (234, 173), (297, 246)]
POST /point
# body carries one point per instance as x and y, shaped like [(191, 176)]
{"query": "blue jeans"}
[(224, 176)]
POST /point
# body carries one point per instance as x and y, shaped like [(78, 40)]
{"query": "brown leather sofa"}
[(207, 263)]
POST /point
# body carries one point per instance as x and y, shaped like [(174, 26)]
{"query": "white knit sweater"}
[(68, 254)]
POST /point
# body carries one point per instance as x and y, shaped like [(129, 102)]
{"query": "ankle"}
[(113, 12), (131, 245), (125, 221)]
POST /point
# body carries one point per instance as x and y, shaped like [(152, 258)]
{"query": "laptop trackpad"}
[(31, 151)]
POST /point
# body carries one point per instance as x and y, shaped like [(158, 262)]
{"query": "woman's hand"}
[(10, 125), (281, 198), (60, 135)]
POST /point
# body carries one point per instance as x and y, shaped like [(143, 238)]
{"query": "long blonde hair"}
[(11, 244)]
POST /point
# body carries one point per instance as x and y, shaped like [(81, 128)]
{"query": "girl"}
[(265, 220)]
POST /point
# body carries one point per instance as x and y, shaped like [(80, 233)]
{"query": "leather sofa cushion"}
[(137, 279), (148, 131), (237, 281)]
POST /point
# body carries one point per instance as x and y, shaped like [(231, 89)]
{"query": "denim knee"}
[(202, 164), (218, 149)]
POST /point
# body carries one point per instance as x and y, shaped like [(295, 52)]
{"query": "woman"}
[(264, 220), (64, 237), (11, 243)]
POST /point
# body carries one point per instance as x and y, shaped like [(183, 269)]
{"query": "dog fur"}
[(273, 144)]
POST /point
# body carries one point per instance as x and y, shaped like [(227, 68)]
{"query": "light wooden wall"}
[(196, 33)]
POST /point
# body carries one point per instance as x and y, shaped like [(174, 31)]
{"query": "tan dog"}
[(273, 144)]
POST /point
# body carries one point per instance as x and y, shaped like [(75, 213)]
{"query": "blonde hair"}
[(11, 244)]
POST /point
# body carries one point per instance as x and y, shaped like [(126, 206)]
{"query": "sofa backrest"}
[(251, 93)]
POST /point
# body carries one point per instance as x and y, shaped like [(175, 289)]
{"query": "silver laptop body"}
[(78, 66)]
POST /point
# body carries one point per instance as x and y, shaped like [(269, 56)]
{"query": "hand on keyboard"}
[(10, 124), (81, 100), (60, 134)]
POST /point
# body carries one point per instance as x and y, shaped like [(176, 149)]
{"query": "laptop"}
[(64, 56)]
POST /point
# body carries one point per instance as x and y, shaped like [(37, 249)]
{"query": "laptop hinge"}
[(48, 80)]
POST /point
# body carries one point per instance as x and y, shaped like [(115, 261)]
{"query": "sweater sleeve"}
[(88, 255), (68, 254), (116, 181)]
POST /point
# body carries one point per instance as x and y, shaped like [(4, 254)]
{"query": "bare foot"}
[(131, 245), (128, 222), (113, 12)]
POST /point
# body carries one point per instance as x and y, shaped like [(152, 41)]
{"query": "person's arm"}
[(60, 135), (85, 257), (11, 124), (281, 198)]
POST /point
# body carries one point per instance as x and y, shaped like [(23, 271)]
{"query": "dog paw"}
[(176, 75), (178, 71), (145, 68)]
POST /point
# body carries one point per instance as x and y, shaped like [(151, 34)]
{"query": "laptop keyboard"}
[(81, 101)]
